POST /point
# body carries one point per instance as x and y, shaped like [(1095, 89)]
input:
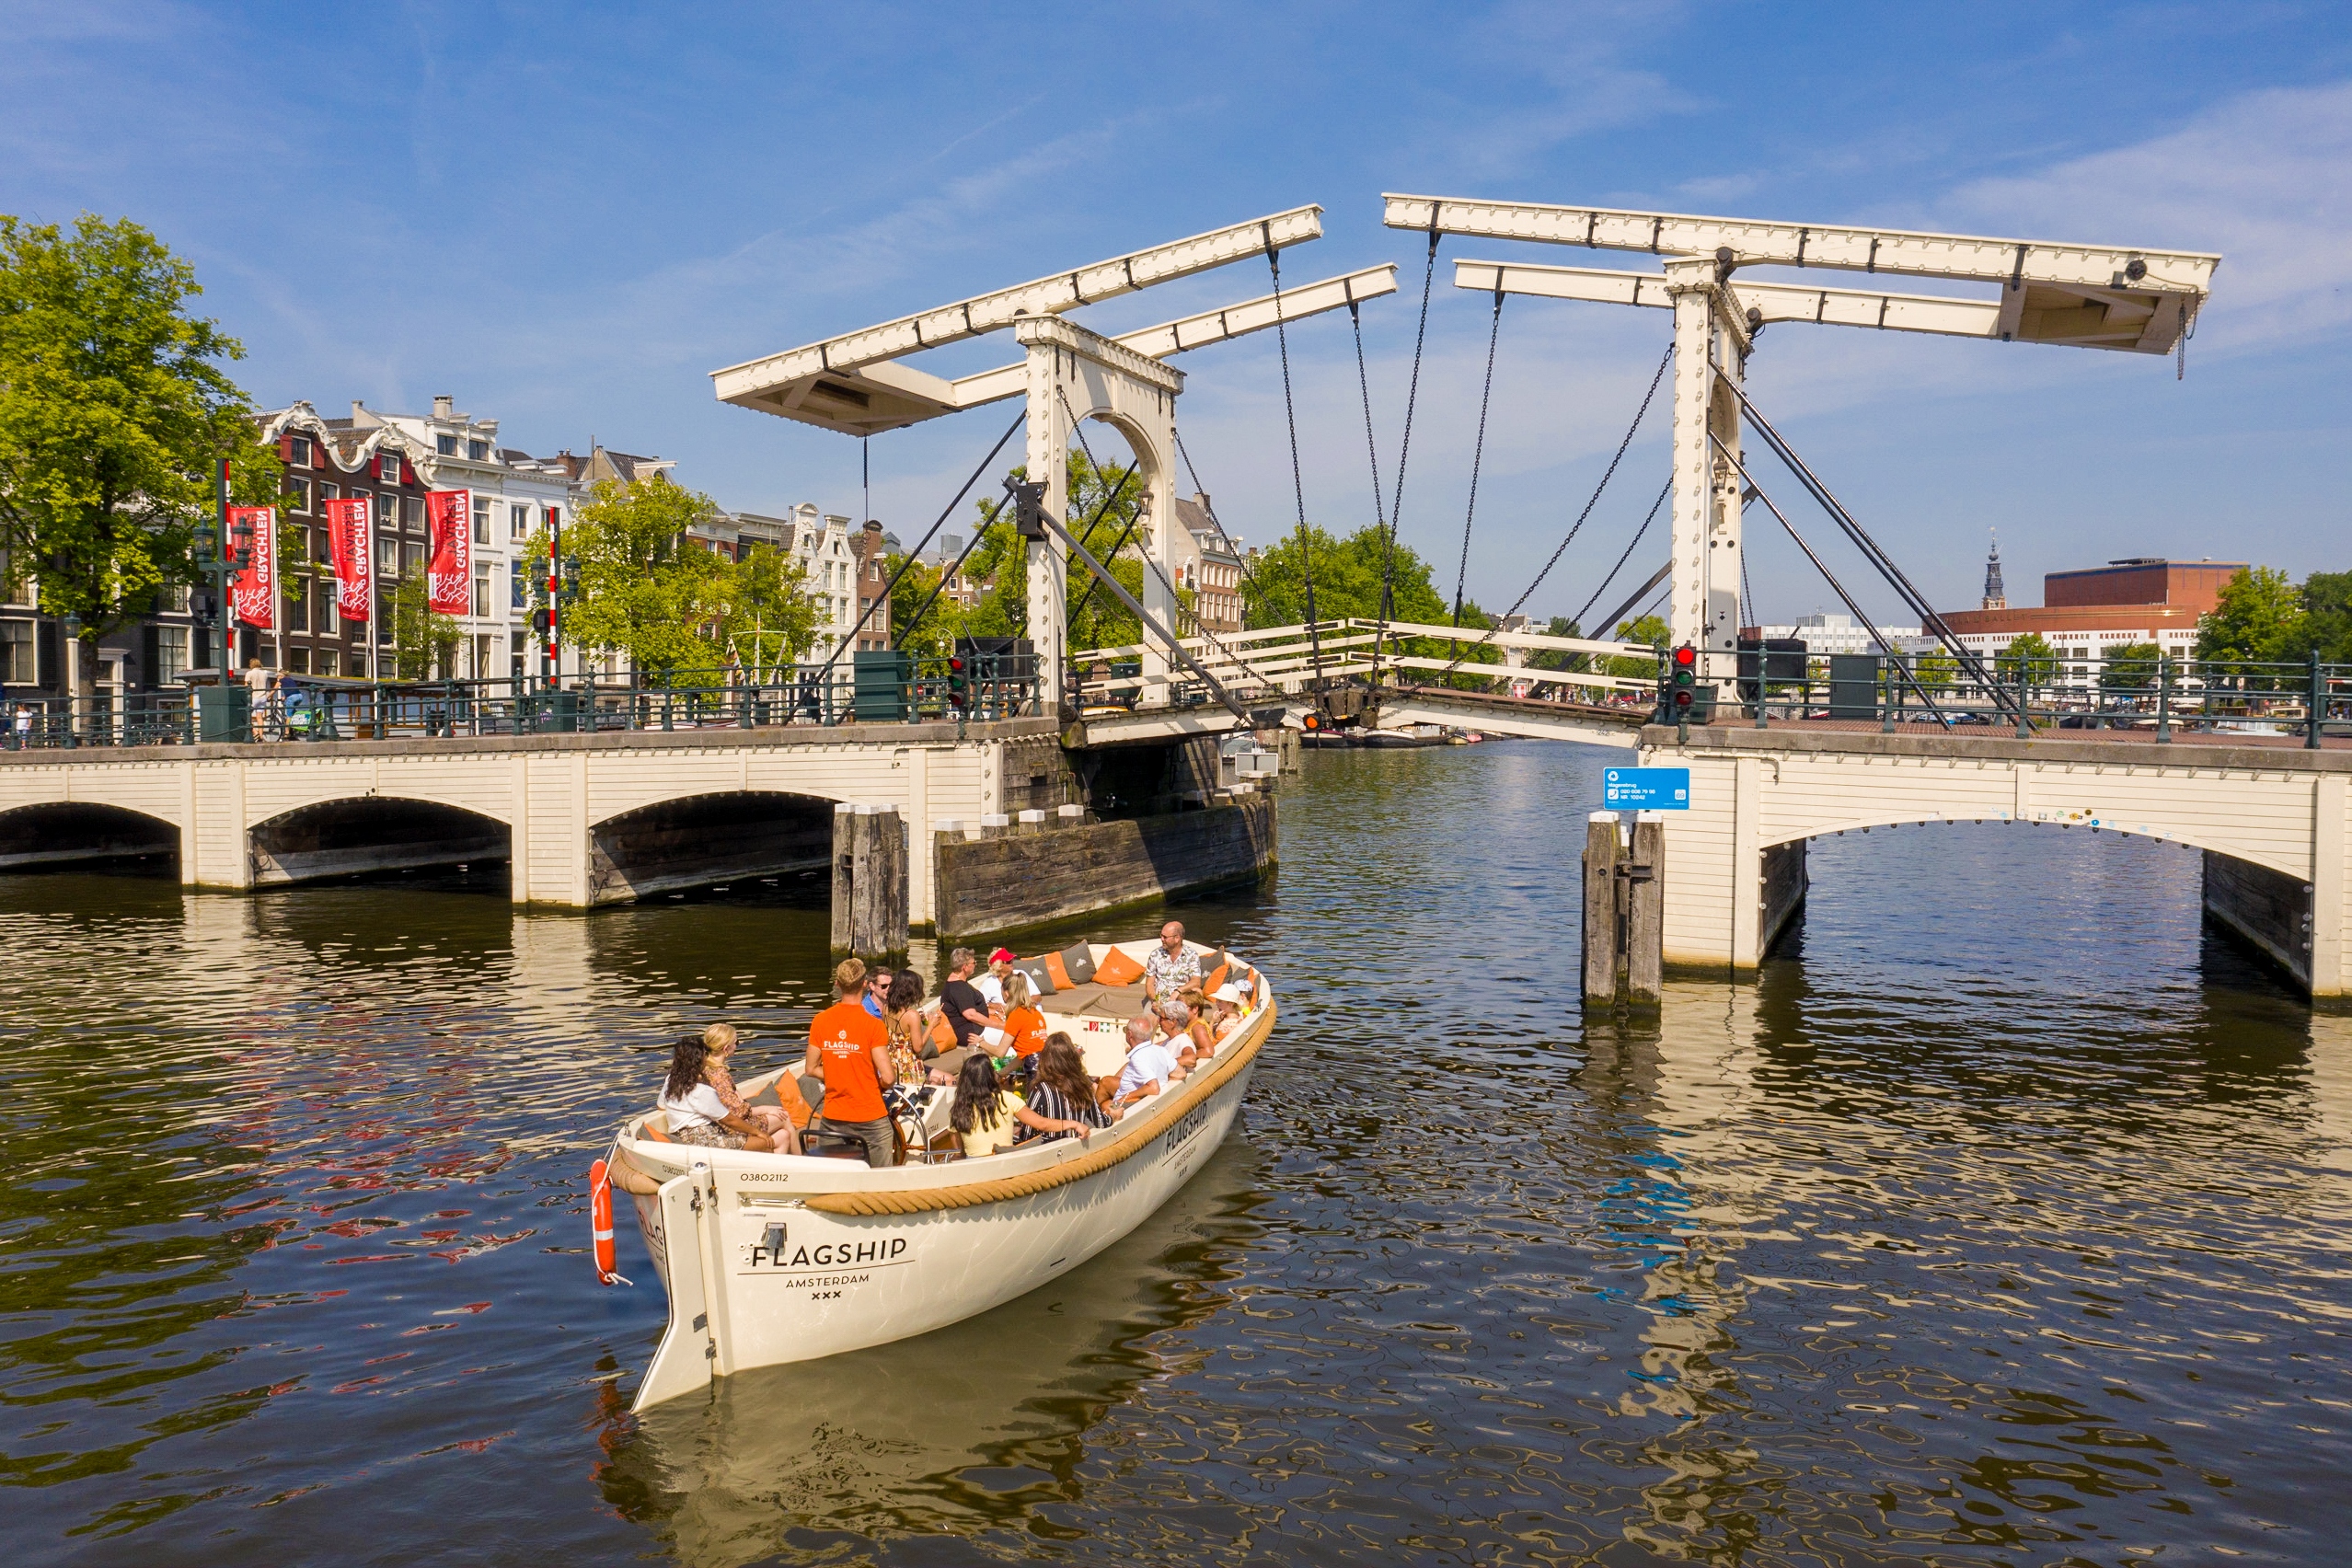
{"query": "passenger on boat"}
[(1229, 1002), (1173, 966), (878, 983), (693, 1110), (1196, 1023), (1150, 1067), (1023, 1024), (992, 985), (910, 1034), (984, 1111), (719, 1040), (1172, 1029), (1061, 1099), (961, 1002), (851, 1048)]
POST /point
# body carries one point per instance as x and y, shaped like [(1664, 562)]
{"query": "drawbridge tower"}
[(859, 384), (2092, 296)]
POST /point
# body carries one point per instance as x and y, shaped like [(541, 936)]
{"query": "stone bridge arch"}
[(353, 834), (706, 839), (62, 833)]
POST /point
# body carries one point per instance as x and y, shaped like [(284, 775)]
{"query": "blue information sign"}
[(1645, 789)]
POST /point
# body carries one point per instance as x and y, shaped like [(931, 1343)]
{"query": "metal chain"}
[(1613, 570), (1297, 483), (1478, 454), (1404, 445)]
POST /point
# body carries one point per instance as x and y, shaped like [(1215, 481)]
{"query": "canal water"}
[(2004, 1221)]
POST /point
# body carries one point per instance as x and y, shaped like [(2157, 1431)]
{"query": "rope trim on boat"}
[(920, 1200)]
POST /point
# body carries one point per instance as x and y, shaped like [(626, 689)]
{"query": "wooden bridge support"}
[(869, 882), (1624, 911)]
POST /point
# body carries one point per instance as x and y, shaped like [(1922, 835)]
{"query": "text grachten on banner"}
[(354, 562), (449, 545), (253, 593)]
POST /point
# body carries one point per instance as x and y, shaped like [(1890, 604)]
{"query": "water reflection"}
[(1999, 1222), (975, 1428)]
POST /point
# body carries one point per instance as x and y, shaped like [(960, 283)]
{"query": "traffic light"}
[(959, 684), (540, 621), (1685, 678)]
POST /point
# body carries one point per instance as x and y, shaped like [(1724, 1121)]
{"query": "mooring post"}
[(888, 907), (1645, 881), (1601, 914), (844, 842), (869, 871)]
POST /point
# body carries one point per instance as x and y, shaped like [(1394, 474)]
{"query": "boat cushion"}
[(1099, 1000), (655, 1131), (1079, 960), (1041, 978), (1214, 978), (813, 1093), (1118, 969), (943, 1033), (1057, 972)]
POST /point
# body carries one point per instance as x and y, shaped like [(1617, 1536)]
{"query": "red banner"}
[(348, 547), (253, 593), (449, 543)]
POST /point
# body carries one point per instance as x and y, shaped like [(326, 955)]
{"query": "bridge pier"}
[(2275, 822)]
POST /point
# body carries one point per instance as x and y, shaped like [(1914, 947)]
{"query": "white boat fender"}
[(600, 1222)]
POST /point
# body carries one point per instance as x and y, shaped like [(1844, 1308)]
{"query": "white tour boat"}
[(773, 1258)]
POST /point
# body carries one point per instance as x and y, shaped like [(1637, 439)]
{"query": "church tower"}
[(1994, 598)]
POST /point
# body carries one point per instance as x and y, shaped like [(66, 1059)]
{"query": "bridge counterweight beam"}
[(1047, 559)]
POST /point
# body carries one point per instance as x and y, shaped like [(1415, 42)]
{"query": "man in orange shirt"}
[(851, 1048)]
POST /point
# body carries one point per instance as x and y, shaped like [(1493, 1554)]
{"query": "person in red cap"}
[(991, 985)]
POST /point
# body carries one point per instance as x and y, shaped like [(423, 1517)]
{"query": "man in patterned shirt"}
[(1173, 966)]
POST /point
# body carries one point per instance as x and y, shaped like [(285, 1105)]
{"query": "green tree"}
[(2131, 666), (2029, 658), (1348, 574), (425, 641), (1938, 673), (2259, 619), (114, 408), (2326, 625), (1652, 631), (1568, 664), (646, 590), (768, 617)]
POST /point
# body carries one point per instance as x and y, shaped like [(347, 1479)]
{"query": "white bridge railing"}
[(1284, 660)]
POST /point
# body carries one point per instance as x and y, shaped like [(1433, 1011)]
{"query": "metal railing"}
[(2151, 699), (314, 710)]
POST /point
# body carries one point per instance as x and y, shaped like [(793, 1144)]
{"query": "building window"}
[(323, 663), (16, 653), (298, 451), (482, 587), (519, 573), (327, 491), (298, 661), (387, 467), (297, 494), (411, 559), (518, 522), (297, 600), (552, 518), (445, 445), (478, 451), (171, 653), (412, 513), (481, 520), (388, 510), (387, 558)]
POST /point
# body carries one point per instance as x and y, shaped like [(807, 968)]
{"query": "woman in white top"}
[(696, 1113)]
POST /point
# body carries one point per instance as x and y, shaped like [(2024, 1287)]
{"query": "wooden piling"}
[(845, 840), (1601, 857), (1644, 882)]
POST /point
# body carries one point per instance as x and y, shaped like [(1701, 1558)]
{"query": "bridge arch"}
[(705, 839), (2285, 860), (352, 834), (60, 833)]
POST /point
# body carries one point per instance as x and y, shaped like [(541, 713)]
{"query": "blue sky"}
[(566, 216)]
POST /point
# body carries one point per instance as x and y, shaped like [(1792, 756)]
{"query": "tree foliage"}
[(425, 641), (114, 408), (767, 616), (2256, 622), (2029, 658), (2130, 667)]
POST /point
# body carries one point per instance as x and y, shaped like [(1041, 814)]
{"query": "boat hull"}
[(757, 1277)]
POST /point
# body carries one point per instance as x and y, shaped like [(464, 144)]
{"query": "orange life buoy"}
[(600, 1220)]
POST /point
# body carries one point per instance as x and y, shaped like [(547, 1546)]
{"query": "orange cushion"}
[(1057, 972), (1118, 970), (1209, 986), (795, 1103), (653, 1131), (942, 1031)]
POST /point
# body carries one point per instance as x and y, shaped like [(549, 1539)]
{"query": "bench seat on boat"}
[(1096, 999)]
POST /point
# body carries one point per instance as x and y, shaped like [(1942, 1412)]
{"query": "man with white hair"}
[(1150, 1067)]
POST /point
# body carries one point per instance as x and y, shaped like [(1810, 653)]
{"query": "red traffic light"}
[(955, 666), (1686, 656), (1682, 699)]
